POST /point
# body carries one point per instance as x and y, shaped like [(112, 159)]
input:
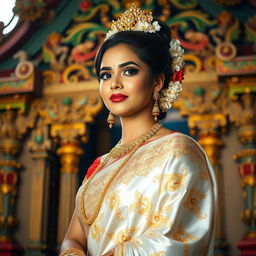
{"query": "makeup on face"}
[(118, 97), (127, 67), (125, 82)]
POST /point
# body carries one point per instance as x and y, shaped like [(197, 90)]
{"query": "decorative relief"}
[(198, 32), (33, 10), (24, 79)]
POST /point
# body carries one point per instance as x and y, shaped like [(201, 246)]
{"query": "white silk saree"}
[(162, 202)]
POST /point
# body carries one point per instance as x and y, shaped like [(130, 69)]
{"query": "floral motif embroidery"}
[(160, 218), (142, 205), (123, 236), (193, 200), (113, 203), (96, 229), (171, 182), (181, 236), (150, 233)]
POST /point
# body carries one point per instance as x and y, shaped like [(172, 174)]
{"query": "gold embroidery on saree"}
[(114, 203), (160, 218), (186, 249), (181, 235), (123, 235), (97, 229), (142, 204), (171, 182), (192, 202)]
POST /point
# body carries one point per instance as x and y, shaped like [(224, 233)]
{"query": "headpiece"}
[(136, 19)]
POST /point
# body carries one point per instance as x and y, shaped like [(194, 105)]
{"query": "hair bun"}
[(164, 32)]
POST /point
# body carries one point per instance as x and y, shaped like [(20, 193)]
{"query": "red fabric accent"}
[(92, 167), (96, 163)]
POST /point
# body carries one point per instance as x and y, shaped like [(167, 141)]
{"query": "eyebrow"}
[(121, 65)]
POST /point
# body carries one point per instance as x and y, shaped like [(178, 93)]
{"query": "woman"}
[(154, 193)]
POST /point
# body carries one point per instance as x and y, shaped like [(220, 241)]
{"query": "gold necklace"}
[(141, 140), (120, 150)]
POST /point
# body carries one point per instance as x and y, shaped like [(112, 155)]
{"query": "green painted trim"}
[(16, 105), (64, 15), (242, 11), (240, 90)]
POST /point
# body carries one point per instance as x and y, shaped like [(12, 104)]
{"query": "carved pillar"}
[(16, 92), (12, 126), (202, 101), (68, 118), (242, 111), (40, 145)]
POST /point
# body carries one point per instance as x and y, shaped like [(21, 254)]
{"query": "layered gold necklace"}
[(116, 152)]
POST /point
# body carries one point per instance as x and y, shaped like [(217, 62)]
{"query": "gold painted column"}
[(209, 129), (242, 111), (69, 153), (202, 101)]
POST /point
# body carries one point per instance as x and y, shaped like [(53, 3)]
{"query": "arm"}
[(75, 236)]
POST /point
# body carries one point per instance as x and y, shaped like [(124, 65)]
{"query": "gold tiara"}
[(134, 19)]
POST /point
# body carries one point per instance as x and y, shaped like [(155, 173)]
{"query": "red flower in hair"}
[(178, 75)]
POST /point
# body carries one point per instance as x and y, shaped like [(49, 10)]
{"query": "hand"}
[(110, 253)]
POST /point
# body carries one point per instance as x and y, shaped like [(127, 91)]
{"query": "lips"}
[(118, 97)]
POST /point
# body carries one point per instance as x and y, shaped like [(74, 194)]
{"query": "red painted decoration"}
[(10, 248), (84, 5), (247, 247)]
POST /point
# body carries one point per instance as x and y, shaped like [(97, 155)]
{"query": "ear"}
[(158, 83)]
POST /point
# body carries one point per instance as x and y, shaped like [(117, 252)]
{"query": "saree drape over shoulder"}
[(162, 202)]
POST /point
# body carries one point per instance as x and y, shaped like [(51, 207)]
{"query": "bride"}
[(154, 193)]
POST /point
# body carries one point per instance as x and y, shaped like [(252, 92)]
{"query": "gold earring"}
[(156, 110), (111, 120)]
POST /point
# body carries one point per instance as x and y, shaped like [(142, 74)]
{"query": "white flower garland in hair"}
[(170, 94)]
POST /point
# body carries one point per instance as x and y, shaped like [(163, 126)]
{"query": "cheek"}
[(102, 90), (144, 88)]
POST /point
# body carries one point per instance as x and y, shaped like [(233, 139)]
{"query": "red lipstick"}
[(118, 97)]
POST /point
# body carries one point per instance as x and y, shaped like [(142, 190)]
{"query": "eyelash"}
[(132, 72)]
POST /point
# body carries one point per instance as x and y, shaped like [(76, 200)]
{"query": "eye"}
[(131, 71), (105, 75)]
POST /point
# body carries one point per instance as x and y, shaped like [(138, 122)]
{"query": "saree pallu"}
[(162, 202)]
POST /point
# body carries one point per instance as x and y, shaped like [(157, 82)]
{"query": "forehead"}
[(119, 54)]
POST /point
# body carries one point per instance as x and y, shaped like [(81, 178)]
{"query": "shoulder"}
[(180, 144)]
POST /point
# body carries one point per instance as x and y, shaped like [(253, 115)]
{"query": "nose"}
[(116, 83)]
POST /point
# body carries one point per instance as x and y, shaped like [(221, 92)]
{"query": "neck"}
[(133, 127)]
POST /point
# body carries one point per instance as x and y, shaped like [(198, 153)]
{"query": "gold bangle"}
[(72, 252)]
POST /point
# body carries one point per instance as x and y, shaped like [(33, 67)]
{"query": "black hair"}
[(151, 48)]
